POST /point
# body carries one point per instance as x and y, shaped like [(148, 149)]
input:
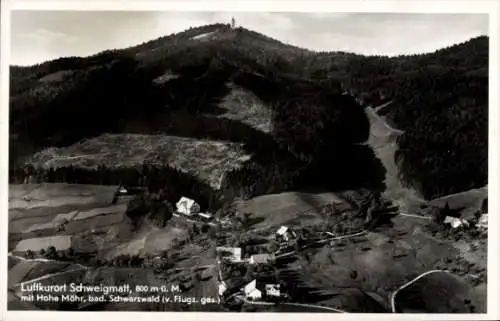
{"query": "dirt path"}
[(78, 267), (380, 107), (322, 241), (44, 260), (32, 260), (416, 216), (315, 307)]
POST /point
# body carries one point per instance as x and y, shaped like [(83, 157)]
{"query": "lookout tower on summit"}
[(233, 23)]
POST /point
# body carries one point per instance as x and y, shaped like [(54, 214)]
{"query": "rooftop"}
[(282, 230)]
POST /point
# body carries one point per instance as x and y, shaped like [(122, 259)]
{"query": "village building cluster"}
[(258, 289)]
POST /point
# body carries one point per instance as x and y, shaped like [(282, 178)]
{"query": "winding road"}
[(393, 294), (312, 306)]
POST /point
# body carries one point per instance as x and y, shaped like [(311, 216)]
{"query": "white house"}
[(261, 258), (285, 233), (272, 289), (187, 206), (251, 291), (455, 222), (483, 221), (222, 288)]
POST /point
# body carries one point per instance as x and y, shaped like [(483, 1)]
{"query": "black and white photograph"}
[(263, 161)]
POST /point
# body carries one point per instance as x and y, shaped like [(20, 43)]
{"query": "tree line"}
[(171, 181)]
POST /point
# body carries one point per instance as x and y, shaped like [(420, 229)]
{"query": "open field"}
[(434, 293), (105, 226), (242, 105), (383, 142), (273, 210), (44, 268), (151, 241), (467, 202), (35, 207), (60, 242), (19, 272), (12, 261), (82, 208), (205, 159), (119, 208), (30, 196), (13, 303), (190, 260)]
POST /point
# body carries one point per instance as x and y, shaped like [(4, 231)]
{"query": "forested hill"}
[(438, 99)]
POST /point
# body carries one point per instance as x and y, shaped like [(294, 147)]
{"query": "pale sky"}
[(37, 36)]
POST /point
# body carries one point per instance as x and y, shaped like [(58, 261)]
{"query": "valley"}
[(316, 182)]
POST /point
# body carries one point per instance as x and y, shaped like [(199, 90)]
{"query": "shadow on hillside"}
[(254, 221), (299, 291), (346, 167)]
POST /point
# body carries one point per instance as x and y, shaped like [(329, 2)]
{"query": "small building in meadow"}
[(187, 206), (273, 290), (222, 288), (285, 234), (251, 291)]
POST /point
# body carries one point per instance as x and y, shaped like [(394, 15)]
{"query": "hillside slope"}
[(204, 83)]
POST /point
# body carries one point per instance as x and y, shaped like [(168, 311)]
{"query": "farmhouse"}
[(483, 221), (122, 190), (455, 222), (285, 234), (187, 206), (60, 242), (273, 290), (222, 288), (251, 291), (261, 258), (231, 253)]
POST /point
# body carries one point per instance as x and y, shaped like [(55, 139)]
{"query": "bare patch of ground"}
[(57, 76), (206, 159), (244, 106), (383, 142), (271, 211), (31, 196)]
